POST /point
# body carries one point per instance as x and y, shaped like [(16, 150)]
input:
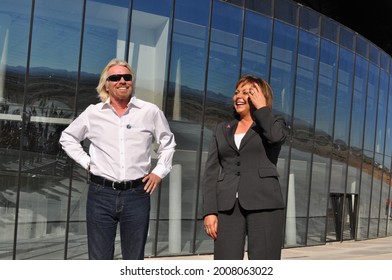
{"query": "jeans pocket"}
[(95, 188), (139, 190)]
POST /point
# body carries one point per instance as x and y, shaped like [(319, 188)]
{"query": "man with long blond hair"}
[(121, 129)]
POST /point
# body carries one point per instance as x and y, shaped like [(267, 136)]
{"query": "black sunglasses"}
[(117, 77)]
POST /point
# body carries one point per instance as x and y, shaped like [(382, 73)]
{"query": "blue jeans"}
[(106, 208)]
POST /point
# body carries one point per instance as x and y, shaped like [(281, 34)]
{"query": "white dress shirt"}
[(120, 147)]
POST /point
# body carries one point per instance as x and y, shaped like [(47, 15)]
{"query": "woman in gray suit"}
[(242, 197)]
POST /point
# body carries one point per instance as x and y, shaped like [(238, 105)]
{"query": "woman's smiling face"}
[(241, 98)]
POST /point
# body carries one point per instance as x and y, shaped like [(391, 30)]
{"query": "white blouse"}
[(238, 139)]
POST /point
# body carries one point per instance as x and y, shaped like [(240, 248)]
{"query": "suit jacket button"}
[(238, 173)]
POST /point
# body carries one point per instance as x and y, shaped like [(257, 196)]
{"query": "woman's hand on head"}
[(257, 97)]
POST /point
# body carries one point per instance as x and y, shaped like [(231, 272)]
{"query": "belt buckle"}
[(123, 183)]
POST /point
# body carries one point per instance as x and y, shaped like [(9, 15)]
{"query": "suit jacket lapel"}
[(249, 134)]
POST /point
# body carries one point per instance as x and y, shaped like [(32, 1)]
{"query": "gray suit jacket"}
[(250, 170)]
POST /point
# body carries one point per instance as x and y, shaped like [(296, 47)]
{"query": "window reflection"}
[(322, 143), (14, 29), (282, 66), (335, 167), (184, 106), (148, 55), (51, 81), (224, 60), (303, 127), (257, 42)]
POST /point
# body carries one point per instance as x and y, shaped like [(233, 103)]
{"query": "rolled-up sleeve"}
[(166, 145), (71, 139)]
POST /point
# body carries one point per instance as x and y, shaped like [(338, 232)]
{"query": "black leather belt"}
[(124, 185)]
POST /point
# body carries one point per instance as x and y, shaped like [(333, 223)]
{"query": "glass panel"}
[(148, 50), (388, 129), (357, 130), (386, 217), (326, 88), (375, 206), (365, 197), (106, 26), (329, 29), (224, 62), (303, 124), (283, 66), (183, 108), (341, 135), (381, 112), (305, 88), (298, 198), (384, 61), (378, 193), (346, 38), (260, 6), (14, 37), (322, 143), (286, 11), (282, 82), (318, 200), (309, 20), (374, 54), (361, 46), (369, 161), (343, 107), (44, 192), (358, 103), (387, 195), (257, 45), (148, 56), (339, 169), (371, 107), (307, 63)]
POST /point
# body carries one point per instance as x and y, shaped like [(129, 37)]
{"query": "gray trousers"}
[(263, 228)]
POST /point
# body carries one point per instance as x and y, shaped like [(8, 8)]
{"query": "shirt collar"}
[(132, 102), (135, 102)]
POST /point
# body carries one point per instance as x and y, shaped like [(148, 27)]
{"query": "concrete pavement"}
[(372, 249)]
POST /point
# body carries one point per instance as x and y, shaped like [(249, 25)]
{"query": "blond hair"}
[(101, 88)]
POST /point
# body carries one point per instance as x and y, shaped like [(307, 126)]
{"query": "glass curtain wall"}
[(323, 142), (331, 85), (303, 127), (340, 169), (180, 223), (362, 180), (388, 161), (379, 174), (14, 46), (44, 190)]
